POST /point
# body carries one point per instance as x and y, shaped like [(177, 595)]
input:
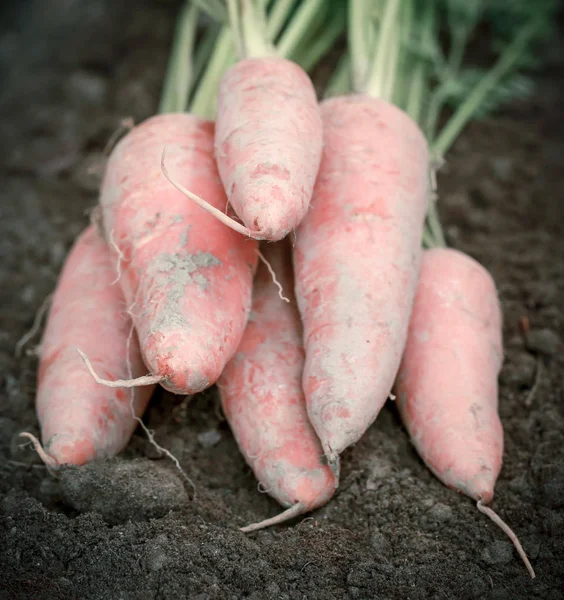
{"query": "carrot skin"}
[(268, 143), (81, 420), (446, 389), (356, 260), (263, 400), (186, 277)]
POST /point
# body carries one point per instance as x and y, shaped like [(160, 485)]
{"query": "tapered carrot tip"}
[(334, 463)]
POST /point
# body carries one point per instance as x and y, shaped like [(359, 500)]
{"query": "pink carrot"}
[(268, 143), (79, 419), (264, 403), (356, 259), (186, 277), (447, 385)]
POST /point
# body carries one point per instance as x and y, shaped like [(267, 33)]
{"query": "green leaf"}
[(515, 87)]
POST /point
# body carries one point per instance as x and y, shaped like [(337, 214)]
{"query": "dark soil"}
[(128, 529)]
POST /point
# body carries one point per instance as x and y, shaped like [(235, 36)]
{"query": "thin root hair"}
[(273, 275), (125, 125), (49, 461), (212, 210), (509, 532), (142, 381), (290, 513), (119, 253), (36, 326)]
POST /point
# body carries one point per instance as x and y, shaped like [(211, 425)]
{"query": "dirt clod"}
[(499, 552), (543, 341), (121, 490)]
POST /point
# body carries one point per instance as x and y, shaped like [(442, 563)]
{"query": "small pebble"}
[(498, 553), (84, 87), (502, 167), (543, 341), (541, 294), (157, 556), (487, 193), (441, 513), (553, 491), (519, 372), (379, 543), (208, 439)]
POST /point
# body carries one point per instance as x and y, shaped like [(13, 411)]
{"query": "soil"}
[(129, 529)]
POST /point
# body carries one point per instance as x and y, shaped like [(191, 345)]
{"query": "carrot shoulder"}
[(79, 419), (186, 277), (264, 403)]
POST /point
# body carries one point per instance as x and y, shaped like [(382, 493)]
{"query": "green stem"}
[(205, 99), (458, 41), (436, 103), (400, 92), (204, 50), (418, 87), (261, 20), (377, 85), (480, 91), (179, 76), (278, 17), (358, 33), (340, 83), (254, 43), (301, 22), (392, 66), (213, 8), (235, 25), (315, 50), (435, 227), (428, 240)]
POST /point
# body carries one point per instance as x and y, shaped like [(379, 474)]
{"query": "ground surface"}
[(128, 529)]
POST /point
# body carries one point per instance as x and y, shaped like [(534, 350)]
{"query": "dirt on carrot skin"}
[(71, 72)]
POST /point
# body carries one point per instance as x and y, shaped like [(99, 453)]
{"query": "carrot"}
[(268, 135), (447, 383), (264, 403), (186, 278), (356, 260), (80, 420)]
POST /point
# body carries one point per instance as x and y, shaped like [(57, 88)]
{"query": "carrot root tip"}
[(509, 532), (294, 511), (334, 463)]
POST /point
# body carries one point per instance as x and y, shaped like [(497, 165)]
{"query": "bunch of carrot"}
[(306, 348)]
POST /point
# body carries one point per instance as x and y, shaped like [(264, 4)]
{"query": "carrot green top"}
[(300, 30), (394, 53)]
